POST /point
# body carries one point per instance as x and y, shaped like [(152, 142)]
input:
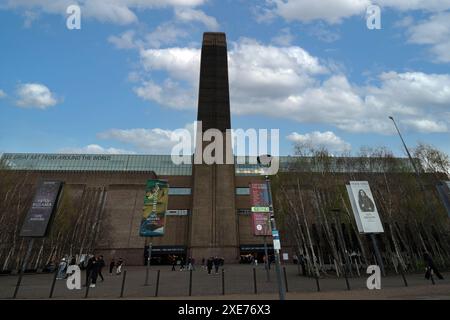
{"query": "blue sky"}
[(129, 76)]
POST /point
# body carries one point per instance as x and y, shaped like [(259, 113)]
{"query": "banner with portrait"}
[(364, 208), (155, 207)]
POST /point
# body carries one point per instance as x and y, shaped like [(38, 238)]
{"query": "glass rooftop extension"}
[(163, 164)]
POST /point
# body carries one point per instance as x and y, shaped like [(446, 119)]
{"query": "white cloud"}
[(434, 31), (124, 41), (35, 95), (427, 126), (334, 11), (95, 149), (170, 94), (153, 141), (288, 82), (326, 139), (192, 15), (114, 11), (2, 94)]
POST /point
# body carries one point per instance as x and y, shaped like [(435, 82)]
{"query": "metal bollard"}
[(123, 283), (346, 280), (157, 283), (223, 282), (403, 276), (190, 282), (87, 288), (53, 285), (317, 283), (285, 279), (18, 284), (254, 281)]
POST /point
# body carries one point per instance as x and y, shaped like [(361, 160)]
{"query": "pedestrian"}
[(101, 264), (181, 264), (89, 269), (203, 263), (209, 264), (62, 269), (94, 270), (302, 264), (111, 265), (174, 263), (73, 261), (216, 264), (119, 266), (431, 267)]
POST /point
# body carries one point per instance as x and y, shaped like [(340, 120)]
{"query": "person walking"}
[(174, 263), (95, 267), (431, 267), (111, 266), (89, 266), (119, 266), (193, 263), (101, 264), (216, 264), (181, 264), (62, 269), (73, 261), (203, 263), (209, 264), (302, 264)]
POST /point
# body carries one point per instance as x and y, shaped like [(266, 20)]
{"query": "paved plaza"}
[(239, 283)]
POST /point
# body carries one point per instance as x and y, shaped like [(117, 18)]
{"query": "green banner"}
[(155, 207)]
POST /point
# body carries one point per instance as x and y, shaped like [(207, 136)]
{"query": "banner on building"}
[(42, 209), (444, 193), (155, 207), (259, 197), (364, 208)]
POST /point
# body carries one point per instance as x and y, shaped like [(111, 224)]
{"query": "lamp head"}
[(264, 160)]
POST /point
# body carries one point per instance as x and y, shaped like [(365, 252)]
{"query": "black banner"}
[(41, 211)]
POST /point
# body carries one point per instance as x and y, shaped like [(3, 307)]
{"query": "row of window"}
[(188, 191), (186, 212)]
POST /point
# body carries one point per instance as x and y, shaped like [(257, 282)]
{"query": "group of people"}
[(207, 264), (215, 262), (189, 265), (94, 269), (93, 266)]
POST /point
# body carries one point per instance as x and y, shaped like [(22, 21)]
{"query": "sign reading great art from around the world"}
[(364, 208), (259, 196), (155, 207), (42, 209)]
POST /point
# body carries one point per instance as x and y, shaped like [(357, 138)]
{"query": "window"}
[(244, 212), (179, 191), (243, 191)]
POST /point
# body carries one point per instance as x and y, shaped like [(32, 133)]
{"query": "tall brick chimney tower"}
[(213, 223)]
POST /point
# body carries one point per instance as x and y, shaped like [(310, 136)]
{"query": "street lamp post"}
[(419, 181), (274, 228)]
